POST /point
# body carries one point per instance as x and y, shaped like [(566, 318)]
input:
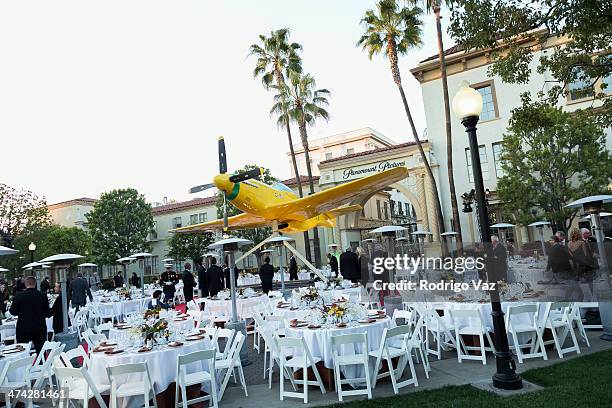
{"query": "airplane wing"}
[(244, 220), (332, 198)]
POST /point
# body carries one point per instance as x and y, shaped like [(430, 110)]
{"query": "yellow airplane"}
[(277, 206)]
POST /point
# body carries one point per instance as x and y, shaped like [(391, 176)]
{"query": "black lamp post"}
[(32, 249), (467, 105)]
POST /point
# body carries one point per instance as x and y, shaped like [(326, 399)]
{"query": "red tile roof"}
[(448, 51), (75, 201), (183, 205), (367, 152), (303, 180)]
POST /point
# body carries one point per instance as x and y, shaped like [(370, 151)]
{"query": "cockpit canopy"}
[(281, 187)]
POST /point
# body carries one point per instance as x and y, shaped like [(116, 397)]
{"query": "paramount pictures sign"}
[(364, 171)]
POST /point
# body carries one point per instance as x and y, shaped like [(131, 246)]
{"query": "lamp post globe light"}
[(32, 249), (467, 106)]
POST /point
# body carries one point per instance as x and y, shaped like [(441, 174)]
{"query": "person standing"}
[(349, 265), (582, 257), (118, 280), (266, 274), (167, 280), (202, 278), (78, 292), (499, 263), (333, 264), (45, 287), (4, 298), (135, 280), (56, 310), (188, 283), (31, 307), (363, 266), (293, 268), (214, 278), (558, 260)]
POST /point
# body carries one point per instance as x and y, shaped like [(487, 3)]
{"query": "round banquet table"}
[(162, 366), (118, 309), (185, 325), (320, 345), (226, 304), (13, 322)]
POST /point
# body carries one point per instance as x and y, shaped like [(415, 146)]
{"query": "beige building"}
[(71, 213), (334, 146)]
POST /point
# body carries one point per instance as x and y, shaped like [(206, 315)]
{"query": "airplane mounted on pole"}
[(277, 206)]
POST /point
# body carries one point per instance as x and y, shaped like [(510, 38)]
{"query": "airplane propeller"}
[(235, 178)]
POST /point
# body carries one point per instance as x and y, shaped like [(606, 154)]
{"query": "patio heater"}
[(33, 266), (593, 206), (61, 263), (392, 301), (539, 225), (142, 256), (230, 245), (88, 267), (125, 261), (420, 236), (448, 238), (279, 242), (402, 242)]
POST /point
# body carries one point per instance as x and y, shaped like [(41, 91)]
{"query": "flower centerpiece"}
[(152, 313), (336, 313), (311, 295), (123, 293), (335, 281), (155, 331)]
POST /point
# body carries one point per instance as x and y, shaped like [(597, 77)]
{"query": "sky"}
[(102, 95)]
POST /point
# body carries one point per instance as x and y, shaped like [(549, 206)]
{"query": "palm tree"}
[(435, 6), (304, 104), (275, 57), (393, 31)]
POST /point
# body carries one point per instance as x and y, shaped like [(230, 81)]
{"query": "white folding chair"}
[(184, 379), (393, 345), (523, 320), (19, 369), (346, 352), (271, 350), (287, 348), (415, 343), (44, 372), (193, 306), (227, 365), (576, 317), (405, 315), (92, 339), (79, 385), (104, 327), (558, 321), (441, 335), (77, 352), (228, 335), (121, 389), (7, 333), (475, 327), (79, 323)]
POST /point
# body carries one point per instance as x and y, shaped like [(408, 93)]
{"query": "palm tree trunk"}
[(315, 233), (279, 83), (449, 139)]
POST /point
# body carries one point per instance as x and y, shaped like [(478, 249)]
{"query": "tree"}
[(276, 57), (303, 104), (20, 210), (189, 246), (393, 32), (119, 224), (550, 158), (480, 24), (435, 7), (257, 235)]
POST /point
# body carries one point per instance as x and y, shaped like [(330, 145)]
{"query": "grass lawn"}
[(581, 382)]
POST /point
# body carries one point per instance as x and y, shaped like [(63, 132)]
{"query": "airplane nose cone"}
[(222, 182)]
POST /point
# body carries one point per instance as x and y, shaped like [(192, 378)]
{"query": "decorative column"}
[(421, 196)]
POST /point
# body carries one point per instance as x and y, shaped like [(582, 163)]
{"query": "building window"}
[(329, 156), (407, 208), (202, 217), (489, 104), (606, 81), (350, 151), (378, 209), (393, 211), (497, 152), (581, 87), (193, 219), (154, 231), (484, 163), (177, 222), (386, 210)]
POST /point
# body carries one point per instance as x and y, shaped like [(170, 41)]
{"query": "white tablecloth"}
[(184, 325), (49, 321), (14, 375), (118, 309), (320, 345), (162, 366), (226, 304)]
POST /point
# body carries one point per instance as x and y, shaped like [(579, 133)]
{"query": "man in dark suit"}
[(226, 276), (188, 283), (214, 278), (266, 274), (202, 278), (559, 260), (499, 264), (56, 310), (31, 307), (333, 263), (118, 280), (349, 265), (167, 280), (78, 292), (293, 268), (45, 286)]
